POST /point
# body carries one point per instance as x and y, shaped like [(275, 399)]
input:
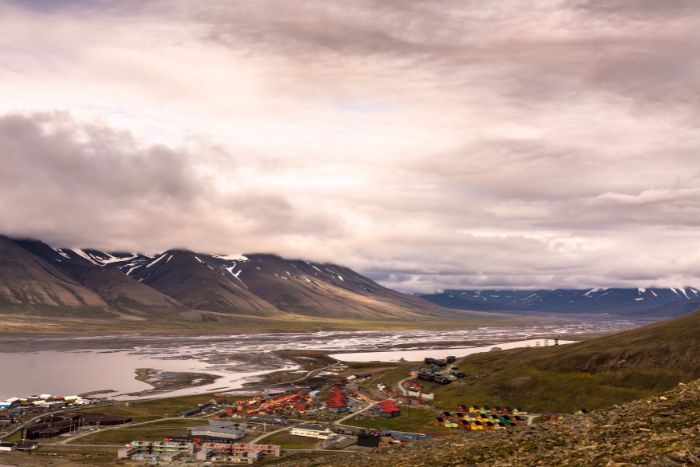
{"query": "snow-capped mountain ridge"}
[(196, 285), (633, 301)]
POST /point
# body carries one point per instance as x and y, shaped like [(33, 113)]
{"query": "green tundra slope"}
[(591, 374)]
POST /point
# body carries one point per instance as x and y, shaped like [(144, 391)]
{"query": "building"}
[(7, 419), (312, 430), (167, 451), (218, 431), (428, 396), (425, 376), (405, 436), (388, 409), (337, 400), (240, 453), (57, 424), (410, 400), (368, 440)]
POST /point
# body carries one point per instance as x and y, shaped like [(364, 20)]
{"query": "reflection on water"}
[(65, 364)]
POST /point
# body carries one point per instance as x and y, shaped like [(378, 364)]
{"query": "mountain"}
[(199, 281), (181, 285), (326, 289), (28, 282), (657, 302), (118, 292), (264, 284)]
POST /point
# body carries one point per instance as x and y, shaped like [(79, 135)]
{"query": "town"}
[(341, 408)]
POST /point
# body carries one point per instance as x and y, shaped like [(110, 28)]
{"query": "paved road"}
[(365, 409), (270, 433), (402, 389)]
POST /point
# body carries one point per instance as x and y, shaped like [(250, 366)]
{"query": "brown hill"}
[(201, 282), (29, 283), (119, 292), (329, 290)]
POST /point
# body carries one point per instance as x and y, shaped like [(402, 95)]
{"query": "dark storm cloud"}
[(75, 184), (433, 144)]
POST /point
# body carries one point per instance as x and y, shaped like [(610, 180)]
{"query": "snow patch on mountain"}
[(156, 261)]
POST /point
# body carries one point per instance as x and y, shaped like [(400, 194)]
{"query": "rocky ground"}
[(663, 430)]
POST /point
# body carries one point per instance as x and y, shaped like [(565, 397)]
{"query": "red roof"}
[(337, 398), (388, 406)]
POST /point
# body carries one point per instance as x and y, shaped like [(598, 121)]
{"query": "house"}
[(409, 400), (388, 409), (312, 430), (337, 400), (368, 440)]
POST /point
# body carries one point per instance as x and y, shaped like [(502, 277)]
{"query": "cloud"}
[(429, 144)]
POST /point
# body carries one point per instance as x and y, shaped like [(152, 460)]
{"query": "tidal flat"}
[(136, 366)]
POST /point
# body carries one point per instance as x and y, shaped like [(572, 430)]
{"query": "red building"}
[(388, 409), (337, 400)]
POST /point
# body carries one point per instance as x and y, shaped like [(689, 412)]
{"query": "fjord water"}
[(65, 364)]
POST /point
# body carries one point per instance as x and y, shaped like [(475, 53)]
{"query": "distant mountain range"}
[(656, 302), (37, 279)]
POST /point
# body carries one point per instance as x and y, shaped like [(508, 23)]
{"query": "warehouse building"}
[(218, 431)]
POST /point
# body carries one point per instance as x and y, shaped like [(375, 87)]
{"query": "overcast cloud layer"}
[(430, 144)]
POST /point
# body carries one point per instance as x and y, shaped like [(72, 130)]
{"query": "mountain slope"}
[(592, 374), (201, 282), (182, 285), (118, 291), (661, 430), (29, 283), (659, 302), (267, 285), (316, 289)]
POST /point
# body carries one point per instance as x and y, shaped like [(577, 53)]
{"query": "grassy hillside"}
[(590, 374), (660, 430)]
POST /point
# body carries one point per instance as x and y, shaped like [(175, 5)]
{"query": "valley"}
[(547, 383)]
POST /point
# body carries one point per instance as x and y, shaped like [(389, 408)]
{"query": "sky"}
[(430, 144)]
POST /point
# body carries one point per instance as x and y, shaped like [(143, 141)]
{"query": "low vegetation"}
[(412, 419), (155, 431), (154, 409), (592, 374), (289, 441)]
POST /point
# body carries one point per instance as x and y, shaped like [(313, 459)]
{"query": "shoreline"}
[(225, 364)]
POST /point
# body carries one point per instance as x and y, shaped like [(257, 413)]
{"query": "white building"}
[(313, 430)]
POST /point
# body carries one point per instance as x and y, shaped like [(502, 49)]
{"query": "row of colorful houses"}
[(477, 421), (487, 409)]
